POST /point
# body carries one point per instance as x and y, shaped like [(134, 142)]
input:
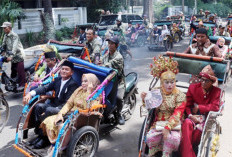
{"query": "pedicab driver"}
[(114, 59), (12, 43), (201, 99), (203, 46)]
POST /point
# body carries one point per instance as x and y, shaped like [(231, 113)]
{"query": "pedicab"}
[(138, 38), (167, 42), (79, 134), (189, 67)]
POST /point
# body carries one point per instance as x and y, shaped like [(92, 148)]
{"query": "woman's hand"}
[(26, 99), (59, 118), (143, 95), (90, 88), (165, 134)]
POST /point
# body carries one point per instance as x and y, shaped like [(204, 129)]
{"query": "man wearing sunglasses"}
[(202, 98)]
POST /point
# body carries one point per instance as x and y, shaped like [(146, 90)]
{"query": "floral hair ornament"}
[(163, 64)]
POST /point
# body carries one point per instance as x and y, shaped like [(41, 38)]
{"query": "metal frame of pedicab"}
[(210, 135), (168, 38), (78, 119)]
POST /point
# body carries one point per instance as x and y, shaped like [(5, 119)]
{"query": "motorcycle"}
[(11, 84)]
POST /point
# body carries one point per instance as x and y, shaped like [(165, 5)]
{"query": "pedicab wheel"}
[(140, 138), (84, 143), (140, 41), (176, 37), (4, 112), (132, 105), (211, 142), (167, 45)]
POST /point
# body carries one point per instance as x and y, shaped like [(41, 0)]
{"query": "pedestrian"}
[(12, 44)]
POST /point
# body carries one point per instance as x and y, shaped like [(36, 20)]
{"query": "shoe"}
[(42, 143), (34, 141), (121, 120), (20, 88)]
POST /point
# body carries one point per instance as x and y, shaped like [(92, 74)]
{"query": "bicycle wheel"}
[(4, 112)]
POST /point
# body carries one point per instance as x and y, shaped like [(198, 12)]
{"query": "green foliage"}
[(94, 7), (9, 11), (221, 9), (30, 38), (159, 9), (64, 33)]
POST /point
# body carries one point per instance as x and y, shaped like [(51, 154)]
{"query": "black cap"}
[(129, 22), (201, 31), (113, 39), (69, 64), (51, 54)]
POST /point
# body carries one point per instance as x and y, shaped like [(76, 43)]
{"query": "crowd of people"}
[(176, 133)]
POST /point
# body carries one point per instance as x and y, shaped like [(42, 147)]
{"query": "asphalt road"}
[(122, 141)]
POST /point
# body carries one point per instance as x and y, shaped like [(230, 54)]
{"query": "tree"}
[(9, 11), (148, 9), (47, 19)]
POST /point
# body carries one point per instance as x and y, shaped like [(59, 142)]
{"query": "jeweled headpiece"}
[(163, 64)]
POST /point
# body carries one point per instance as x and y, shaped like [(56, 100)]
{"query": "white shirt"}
[(62, 85)]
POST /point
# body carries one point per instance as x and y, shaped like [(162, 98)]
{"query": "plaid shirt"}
[(13, 44)]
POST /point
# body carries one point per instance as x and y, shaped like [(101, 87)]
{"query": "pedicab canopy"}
[(193, 64), (214, 39), (67, 47), (161, 23), (81, 67)]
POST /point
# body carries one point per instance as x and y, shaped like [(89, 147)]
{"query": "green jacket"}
[(116, 62), (13, 44)]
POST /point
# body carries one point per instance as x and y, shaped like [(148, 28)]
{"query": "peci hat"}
[(6, 24), (113, 39), (69, 64), (201, 31), (50, 55)]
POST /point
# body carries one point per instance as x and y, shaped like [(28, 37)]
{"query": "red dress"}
[(206, 102)]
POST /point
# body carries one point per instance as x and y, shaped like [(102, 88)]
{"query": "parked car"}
[(109, 21)]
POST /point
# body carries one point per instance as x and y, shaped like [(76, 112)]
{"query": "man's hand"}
[(8, 59), (26, 99), (195, 108), (194, 119), (165, 134)]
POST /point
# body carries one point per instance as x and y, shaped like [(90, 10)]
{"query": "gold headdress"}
[(162, 64)]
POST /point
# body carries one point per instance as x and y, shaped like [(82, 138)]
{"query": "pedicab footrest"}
[(22, 150)]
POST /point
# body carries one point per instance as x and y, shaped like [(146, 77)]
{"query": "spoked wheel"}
[(176, 37), (84, 143), (167, 45), (4, 113), (210, 145), (132, 105), (140, 41)]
